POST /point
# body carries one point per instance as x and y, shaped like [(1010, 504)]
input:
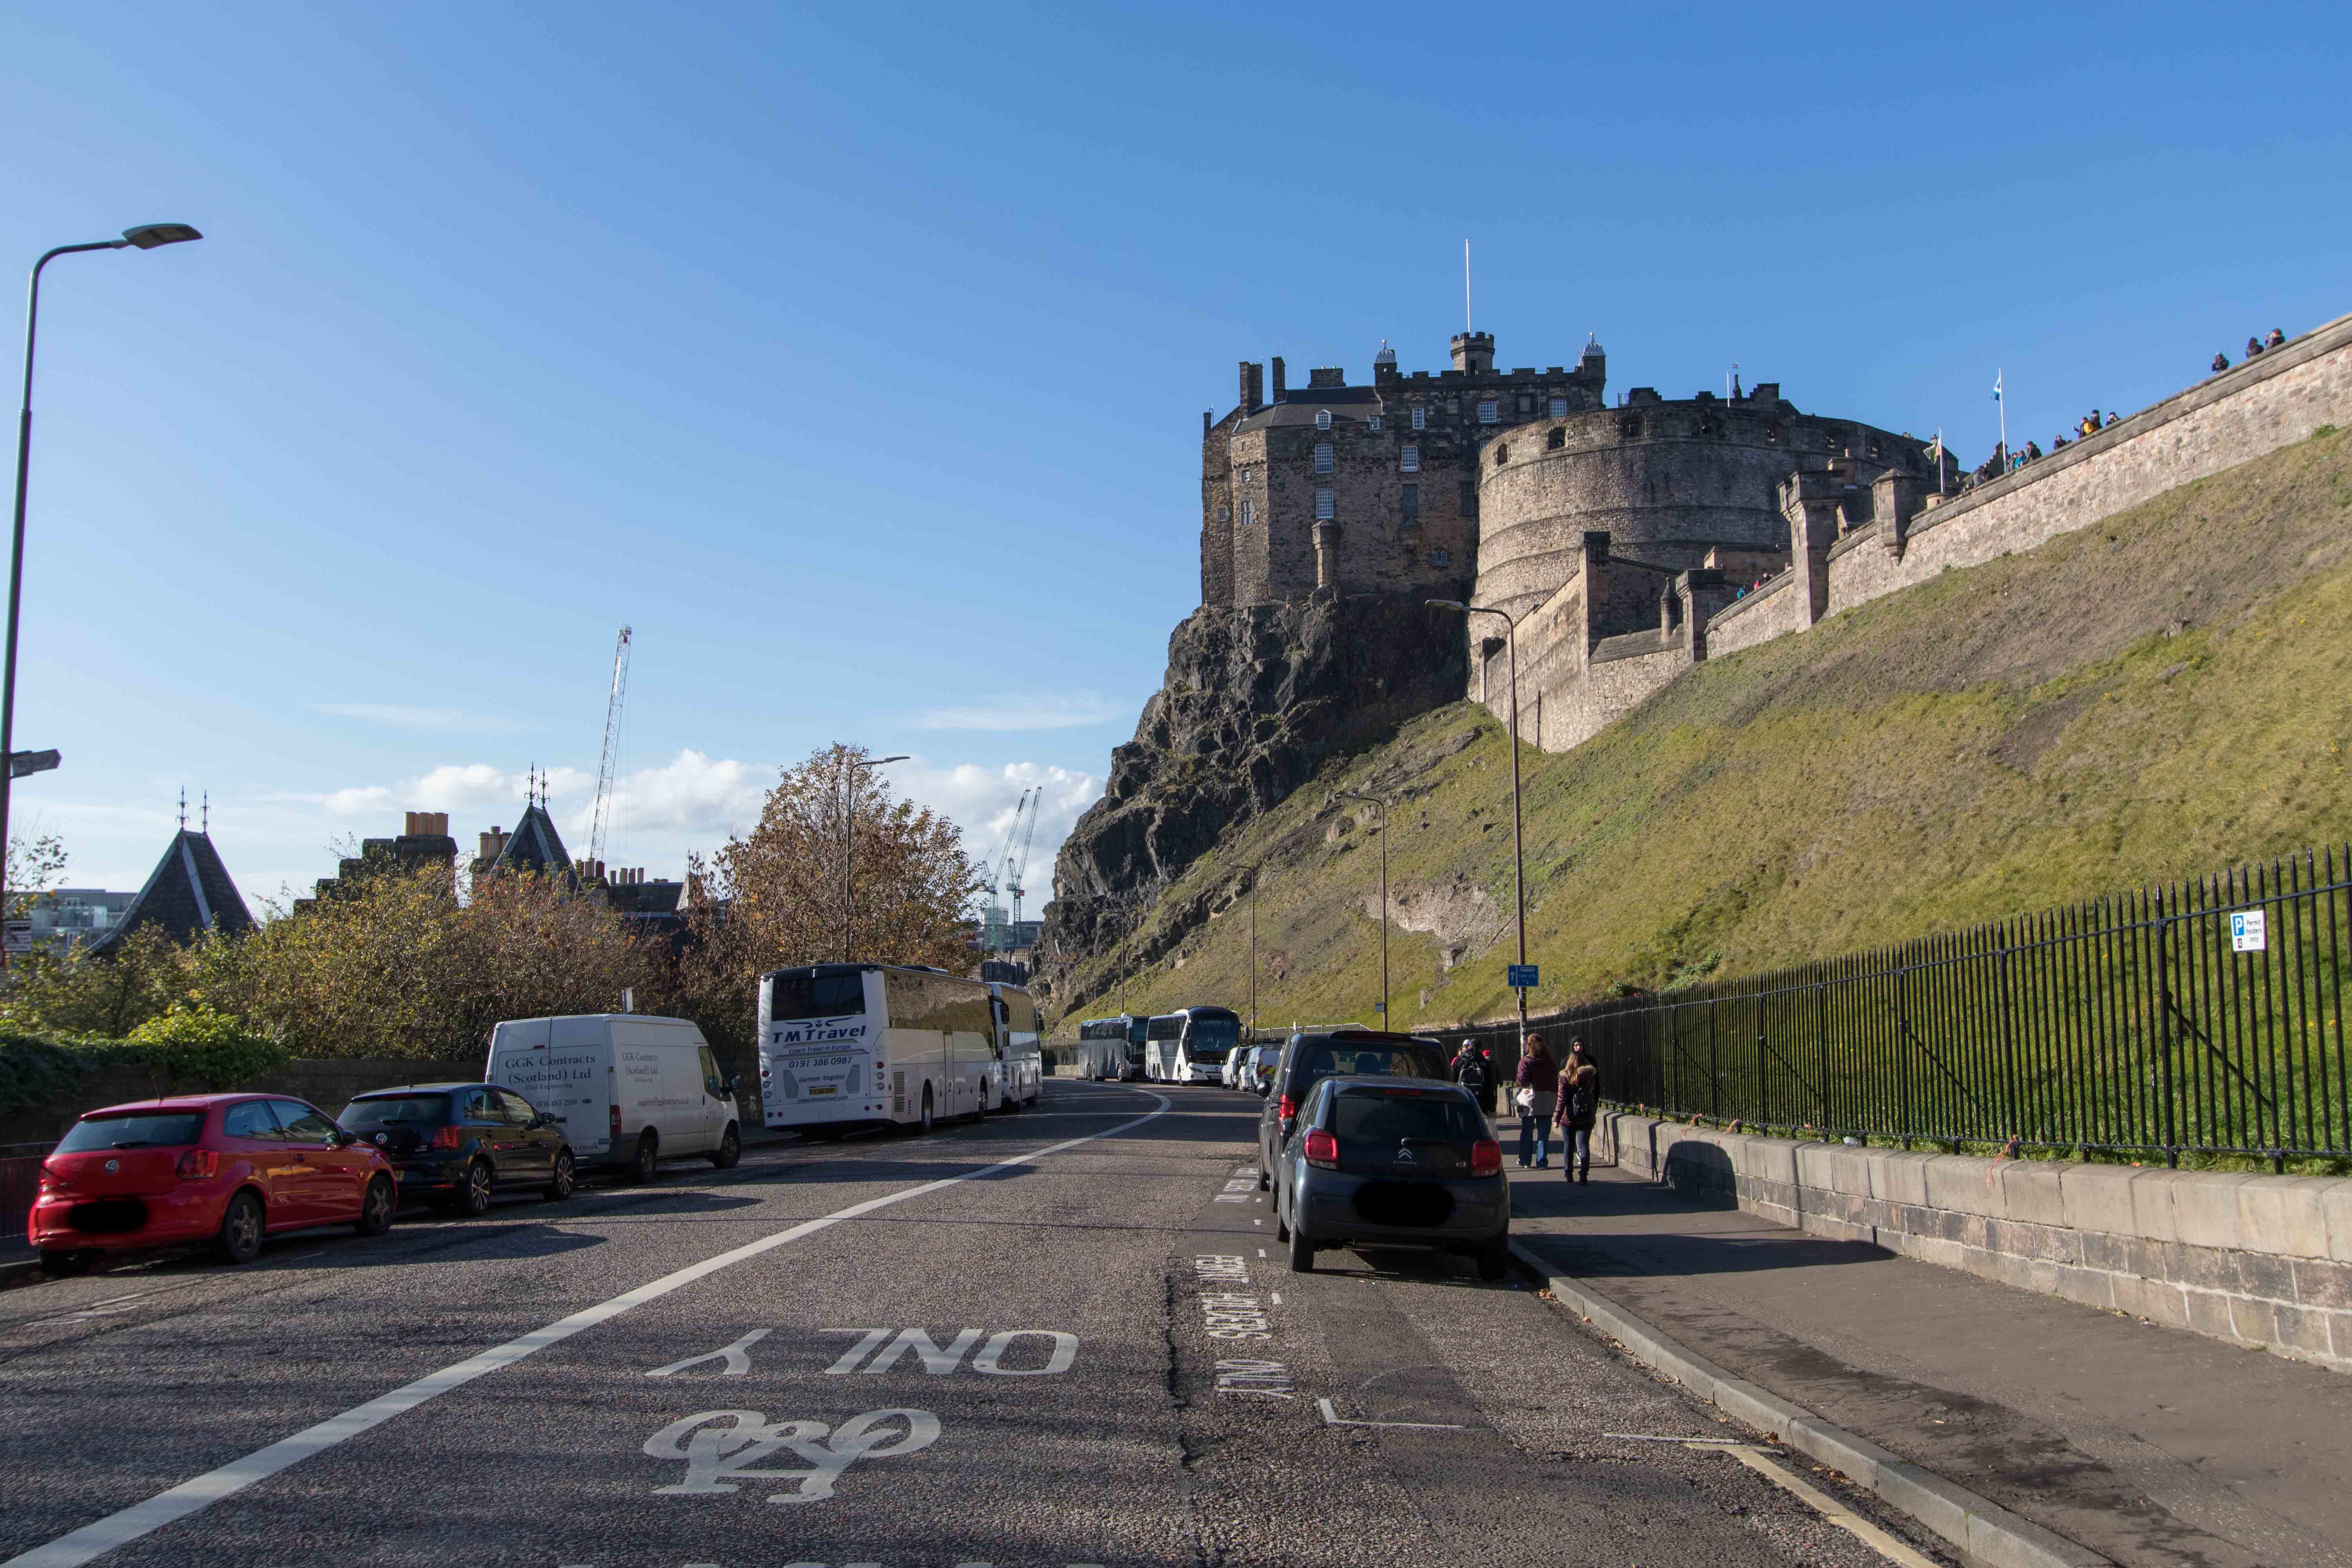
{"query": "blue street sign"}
[(1521, 977)]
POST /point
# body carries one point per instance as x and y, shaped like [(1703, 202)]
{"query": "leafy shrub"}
[(197, 1045)]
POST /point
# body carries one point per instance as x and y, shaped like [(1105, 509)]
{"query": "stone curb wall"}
[(2257, 1260)]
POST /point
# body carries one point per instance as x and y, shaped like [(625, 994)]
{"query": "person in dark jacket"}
[(1536, 1090), (1469, 1071), (1580, 1090)]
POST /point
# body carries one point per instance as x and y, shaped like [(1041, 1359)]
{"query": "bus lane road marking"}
[(119, 1529), (1230, 1313)]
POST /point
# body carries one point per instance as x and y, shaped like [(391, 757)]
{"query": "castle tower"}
[(1474, 352)]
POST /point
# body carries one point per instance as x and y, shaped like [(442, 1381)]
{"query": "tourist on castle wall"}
[(1537, 1092), (2276, 340), (2220, 362)]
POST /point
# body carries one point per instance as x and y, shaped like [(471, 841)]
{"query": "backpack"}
[(1474, 1075), (1583, 1107)]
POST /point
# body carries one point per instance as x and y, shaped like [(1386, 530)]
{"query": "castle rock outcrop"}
[(1256, 698)]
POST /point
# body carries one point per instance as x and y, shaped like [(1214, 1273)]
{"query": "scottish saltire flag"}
[(1996, 386)]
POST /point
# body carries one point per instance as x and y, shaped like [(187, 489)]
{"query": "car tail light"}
[(1323, 1150), (449, 1137), (197, 1164), (613, 1121), (1287, 1110), (50, 1183), (1485, 1158)]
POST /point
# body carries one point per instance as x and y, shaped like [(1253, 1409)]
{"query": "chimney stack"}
[(1281, 380)]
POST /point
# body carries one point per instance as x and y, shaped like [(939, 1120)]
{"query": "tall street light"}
[(146, 237), (1253, 875), (848, 834), (1384, 808), (1518, 840)]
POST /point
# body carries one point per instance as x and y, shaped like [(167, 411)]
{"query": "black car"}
[(455, 1143), (1310, 1057), (1379, 1162)]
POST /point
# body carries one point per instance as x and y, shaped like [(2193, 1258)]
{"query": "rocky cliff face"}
[(1256, 699)]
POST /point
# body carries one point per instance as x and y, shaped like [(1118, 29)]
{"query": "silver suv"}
[(1384, 1162)]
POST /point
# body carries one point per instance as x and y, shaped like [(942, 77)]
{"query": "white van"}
[(629, 1091), (851, 1046)]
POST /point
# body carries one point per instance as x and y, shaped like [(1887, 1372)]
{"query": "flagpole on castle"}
[(2004, 420)]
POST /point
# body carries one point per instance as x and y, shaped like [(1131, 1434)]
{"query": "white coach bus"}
[(1189, 1046), (850, 1046), (1112, 1048)]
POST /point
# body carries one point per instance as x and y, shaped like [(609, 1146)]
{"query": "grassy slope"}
[(2160, 695)]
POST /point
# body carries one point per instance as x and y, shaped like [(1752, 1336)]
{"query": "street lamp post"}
[(1518, 838), (146, 237), (1383, 808), (849, 833)]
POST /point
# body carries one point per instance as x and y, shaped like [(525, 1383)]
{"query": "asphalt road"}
[(1047, 1339)]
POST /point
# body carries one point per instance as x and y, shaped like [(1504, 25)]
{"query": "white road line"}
[(1836, 1512), (189, 1497), (1333, 1418)]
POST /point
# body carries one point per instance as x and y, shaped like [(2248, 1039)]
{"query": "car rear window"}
[(139, 1130), (1369, 1058), (396, 1110), (1382, 1116)]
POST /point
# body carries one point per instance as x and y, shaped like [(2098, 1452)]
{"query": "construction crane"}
[(1016, 864), (612, 748), (999, 875)]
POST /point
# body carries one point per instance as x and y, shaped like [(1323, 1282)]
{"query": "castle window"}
[(1324, 508), (1502, 453), (1526, 403), (1556, 440), (1487, 413), (1560, 407), (1322, 457), (1630, 427), (1411, 462), (1373, 422), (1420, 417), (1322, 419), (1221, 514), (1772, 433), (1466, 498), (1437, 558), (1249, 513), (1408, 505)]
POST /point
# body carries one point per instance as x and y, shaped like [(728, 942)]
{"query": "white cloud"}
[(693, 795), (407, 718), (981, 801), (1026, 710)]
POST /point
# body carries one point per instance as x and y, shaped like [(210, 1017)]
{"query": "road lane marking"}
[(717, 1456), (736, 1356), (1687, 1442), (119, 1529), (1333, 1418), (1828, 1508)]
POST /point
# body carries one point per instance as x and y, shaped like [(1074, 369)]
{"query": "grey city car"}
[(1311, 1055), (1380, 1161)]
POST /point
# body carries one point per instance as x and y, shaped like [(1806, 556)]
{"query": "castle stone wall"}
[(2281, 398), (2269, 402)]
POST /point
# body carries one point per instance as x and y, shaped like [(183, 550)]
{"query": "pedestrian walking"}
[(1487, 1080), (1470, 1072), (1536, 1086), (1579, 1086)]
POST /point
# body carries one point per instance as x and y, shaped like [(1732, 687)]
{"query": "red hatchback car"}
[(223, 1168)]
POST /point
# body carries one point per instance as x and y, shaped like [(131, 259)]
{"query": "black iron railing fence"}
[(2203, 1017)]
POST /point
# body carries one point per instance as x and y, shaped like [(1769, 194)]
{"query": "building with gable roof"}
[(190, 891)]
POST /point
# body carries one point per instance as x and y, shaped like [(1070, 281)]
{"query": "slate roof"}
[(1299, 405), (536, 846), (189, 891)]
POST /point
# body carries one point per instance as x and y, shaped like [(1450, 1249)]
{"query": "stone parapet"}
[(2258, 1260)]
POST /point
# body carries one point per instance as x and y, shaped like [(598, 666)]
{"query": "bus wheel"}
[(928, 1121)]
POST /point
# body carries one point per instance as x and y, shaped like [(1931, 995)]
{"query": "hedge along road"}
[(218, 1417)]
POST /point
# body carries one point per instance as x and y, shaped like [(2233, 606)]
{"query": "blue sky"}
[(855, 357)]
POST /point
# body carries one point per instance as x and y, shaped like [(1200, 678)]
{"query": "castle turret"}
[(1595, 361), (1474, 352)]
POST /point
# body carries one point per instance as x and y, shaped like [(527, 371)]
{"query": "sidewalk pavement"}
[(2151, 1446)]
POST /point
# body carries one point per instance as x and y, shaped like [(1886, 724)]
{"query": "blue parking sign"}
[(1521, 976)]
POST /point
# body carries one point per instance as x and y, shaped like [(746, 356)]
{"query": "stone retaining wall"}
[(2259, 1260), (329, 1083)]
